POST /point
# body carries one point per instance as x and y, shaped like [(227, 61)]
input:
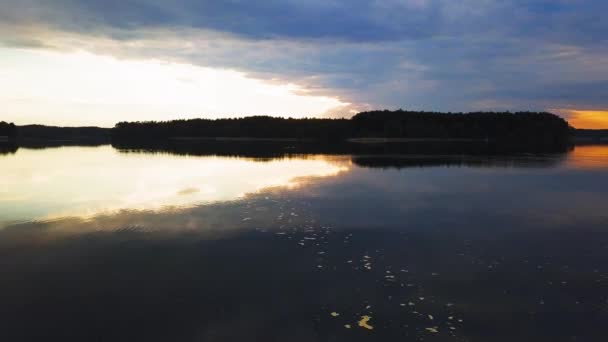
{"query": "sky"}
[(97, 62)]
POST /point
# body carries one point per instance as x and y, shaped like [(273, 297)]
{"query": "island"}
[(520, 131)]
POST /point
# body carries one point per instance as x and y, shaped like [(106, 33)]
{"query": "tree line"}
[(8, 130), (41, 132), (251, 127), (524, 127)]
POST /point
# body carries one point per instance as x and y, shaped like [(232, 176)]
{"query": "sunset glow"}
[(303, 170), (590, 119), (588, 157), (81, 88), (85, 62)]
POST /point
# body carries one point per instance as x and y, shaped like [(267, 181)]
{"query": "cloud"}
[(353, 20), (418, 54)]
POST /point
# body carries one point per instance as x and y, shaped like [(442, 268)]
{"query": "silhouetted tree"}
[(52, 133), (8, 130), (250, 127), (516, 128), (525, 128)]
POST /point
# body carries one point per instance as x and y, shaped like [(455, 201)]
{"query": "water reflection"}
[(589, 157), (86, 181), (477, 161), (469, 247), (7, 148), (83, 181)]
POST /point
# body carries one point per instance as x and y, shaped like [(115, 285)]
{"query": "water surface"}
[(97, 244)]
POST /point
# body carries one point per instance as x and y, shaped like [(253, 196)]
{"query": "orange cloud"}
[(593, 119)]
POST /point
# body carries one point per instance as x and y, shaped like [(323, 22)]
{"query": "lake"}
[(106, 244)]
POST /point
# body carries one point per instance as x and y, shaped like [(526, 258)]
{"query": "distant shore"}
[(237, 139), (370, 140), (520, 131), (591, 136), (406, 140)]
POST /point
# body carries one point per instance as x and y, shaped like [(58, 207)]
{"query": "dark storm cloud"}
[(591, 94), (354, 20), (424, 54)]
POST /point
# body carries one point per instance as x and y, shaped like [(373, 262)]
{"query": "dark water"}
[(101, 245)]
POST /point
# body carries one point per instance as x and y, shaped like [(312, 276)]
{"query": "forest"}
[(8, 130), (521, 127), (524, 129), (250, 127), (39, 133)]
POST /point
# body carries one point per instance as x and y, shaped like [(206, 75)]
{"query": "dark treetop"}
[(8, 130), (525, 127), (522, 130), (40, 132)]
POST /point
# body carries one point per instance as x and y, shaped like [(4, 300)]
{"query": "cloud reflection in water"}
[(86, 181)]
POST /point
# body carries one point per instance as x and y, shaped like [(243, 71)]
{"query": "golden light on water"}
[(85, 182), (103, 180), (588, 157)]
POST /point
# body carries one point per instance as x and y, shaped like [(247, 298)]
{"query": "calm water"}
[(97, 244)]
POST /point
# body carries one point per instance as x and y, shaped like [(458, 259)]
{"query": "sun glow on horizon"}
[(81, 88), (588, 119)]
